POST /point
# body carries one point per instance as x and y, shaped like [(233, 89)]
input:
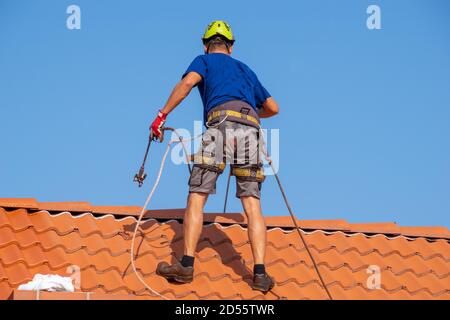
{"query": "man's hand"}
[(158, 123)]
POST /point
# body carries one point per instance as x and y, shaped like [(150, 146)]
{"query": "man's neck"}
[(220, 51)]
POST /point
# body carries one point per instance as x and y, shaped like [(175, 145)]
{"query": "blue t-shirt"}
[(226, 79)]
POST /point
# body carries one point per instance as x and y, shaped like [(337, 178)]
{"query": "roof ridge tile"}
[(27, 203)]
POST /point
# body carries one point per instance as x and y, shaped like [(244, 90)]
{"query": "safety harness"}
[(252, 173), (215, 115), (248, 174), (207, 163), (241, 114)]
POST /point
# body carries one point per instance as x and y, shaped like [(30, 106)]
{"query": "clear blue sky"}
[(364, 122)]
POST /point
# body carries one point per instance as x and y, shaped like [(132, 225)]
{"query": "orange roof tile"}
[(45, 237)]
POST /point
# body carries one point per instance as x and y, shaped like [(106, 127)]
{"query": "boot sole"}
[(174, 277), (263, 289)]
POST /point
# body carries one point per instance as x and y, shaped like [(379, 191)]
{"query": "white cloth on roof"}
[(48, 282)]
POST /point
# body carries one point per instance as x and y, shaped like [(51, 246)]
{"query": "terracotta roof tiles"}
[(46, 237)]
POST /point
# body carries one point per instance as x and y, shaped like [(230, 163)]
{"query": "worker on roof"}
[(234, 100)]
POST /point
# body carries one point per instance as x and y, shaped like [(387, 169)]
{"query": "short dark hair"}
[(218, 42)]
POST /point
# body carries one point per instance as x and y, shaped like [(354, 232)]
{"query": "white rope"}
[(138, 222)]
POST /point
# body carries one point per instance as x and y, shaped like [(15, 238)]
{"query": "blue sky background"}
[(364, 121)]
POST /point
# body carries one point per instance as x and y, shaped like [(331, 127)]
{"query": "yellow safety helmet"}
[(218, 28)]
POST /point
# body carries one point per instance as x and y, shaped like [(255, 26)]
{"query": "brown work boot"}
[(262, 282), (175, 272)]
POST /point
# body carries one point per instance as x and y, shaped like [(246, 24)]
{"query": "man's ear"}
[(205, 49), (230, 49)]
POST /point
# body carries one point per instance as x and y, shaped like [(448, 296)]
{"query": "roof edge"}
[(387, 228), (77, 295)]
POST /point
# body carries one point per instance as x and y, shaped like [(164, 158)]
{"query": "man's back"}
[(226, 79)]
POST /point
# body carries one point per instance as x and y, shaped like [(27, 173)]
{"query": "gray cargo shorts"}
[(230, 143)]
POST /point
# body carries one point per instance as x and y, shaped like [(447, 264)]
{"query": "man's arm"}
[(181, 91), (269, 108)]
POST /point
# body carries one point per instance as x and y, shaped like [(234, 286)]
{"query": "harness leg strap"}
[(248, 174)]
